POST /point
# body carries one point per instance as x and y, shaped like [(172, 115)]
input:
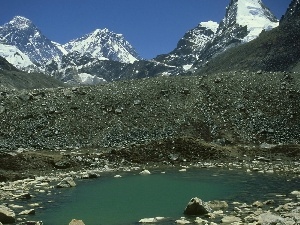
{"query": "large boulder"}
[(197, 207), (7, 215), (76, 222), (66, 183)]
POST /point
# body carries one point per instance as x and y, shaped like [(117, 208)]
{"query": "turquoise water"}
[(126, 200)]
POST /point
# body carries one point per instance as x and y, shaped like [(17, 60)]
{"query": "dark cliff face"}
[(4, 65), (292, 13)]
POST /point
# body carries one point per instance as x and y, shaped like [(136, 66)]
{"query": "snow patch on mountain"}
[(210, 25), (89, 79), (255, 16), (60, 47), (17, 58)]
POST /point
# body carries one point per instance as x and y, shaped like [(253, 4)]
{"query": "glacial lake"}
[(126, 200)]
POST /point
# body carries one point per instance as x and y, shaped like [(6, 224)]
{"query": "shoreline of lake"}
[(43, 183)]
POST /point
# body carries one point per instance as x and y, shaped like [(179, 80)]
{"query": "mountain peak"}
[(105, 30), (252, 14), (103, 43), (23, 34), (21, 22)]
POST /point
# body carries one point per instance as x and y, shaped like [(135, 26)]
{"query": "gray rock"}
[(66, 183), (2, 109), (28, 212), (269, 218), (25, 196), (257, 204), (230, 219), (197, 207), (76, 222), (216, 205), (7, 215), (32, 223)]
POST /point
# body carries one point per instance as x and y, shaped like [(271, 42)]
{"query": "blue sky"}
[(152, 26)]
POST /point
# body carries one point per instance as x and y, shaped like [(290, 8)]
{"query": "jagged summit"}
[(252, 14), (23, 34), (21, 22), (104, 44), (256, 16)]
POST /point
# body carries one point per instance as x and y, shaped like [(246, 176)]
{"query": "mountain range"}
[(103, 55)]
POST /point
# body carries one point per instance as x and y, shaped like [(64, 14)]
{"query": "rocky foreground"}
[(236, 120), (228, 109)]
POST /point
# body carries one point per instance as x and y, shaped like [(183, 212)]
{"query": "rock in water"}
[(197, 207), (32, 223), (145, 172), (76, 222), (66, 183), (7, 215), (27, 212)]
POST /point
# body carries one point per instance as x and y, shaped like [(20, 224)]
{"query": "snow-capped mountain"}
[(28, 49), (17, 58), (104, 44), (23, 34), (189, 47), (251, 13), (243, 22)]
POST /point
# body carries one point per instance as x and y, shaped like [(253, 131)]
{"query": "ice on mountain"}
[(17, 58), (254, 15)]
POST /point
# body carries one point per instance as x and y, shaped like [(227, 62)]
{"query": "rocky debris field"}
[(226, 109)]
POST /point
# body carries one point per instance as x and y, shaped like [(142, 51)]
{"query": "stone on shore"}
[(182, 220), (269, 218), (66, 183), (7, 215), (32, 223), (230, 219), (197, 207), (76, 222), (216, 205)]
